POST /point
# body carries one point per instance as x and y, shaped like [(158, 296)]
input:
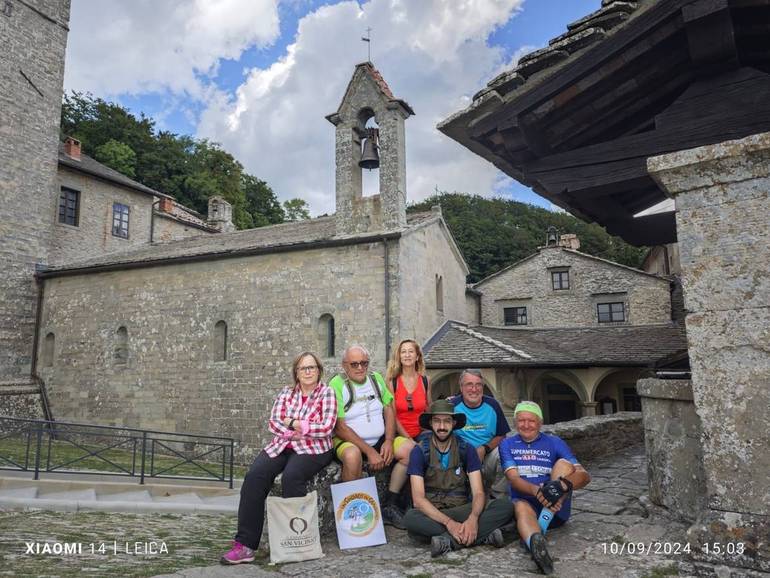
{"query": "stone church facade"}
[(198, 334)]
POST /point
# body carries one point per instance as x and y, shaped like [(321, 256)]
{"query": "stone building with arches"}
[(569, 330)]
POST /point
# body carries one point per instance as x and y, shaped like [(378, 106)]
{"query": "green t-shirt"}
[(338, 385)]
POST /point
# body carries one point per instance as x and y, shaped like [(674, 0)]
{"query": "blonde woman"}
[(409, 385)]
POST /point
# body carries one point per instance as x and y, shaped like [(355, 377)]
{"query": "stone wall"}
[(21, 402), (723, 201), (34, 37), (672, 435), (93, 235), (167, 229), (597, 436), (171, 378), (591, 281), (426, 254)]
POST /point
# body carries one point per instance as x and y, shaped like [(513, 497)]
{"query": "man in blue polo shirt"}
[(542, 472), (485, 427)]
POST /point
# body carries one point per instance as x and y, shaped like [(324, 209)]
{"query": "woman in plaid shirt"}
[(302, 419)]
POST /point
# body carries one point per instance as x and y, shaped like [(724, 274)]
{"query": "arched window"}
[(48, 350), (439, 293), (327, 333), (220, 341), (121, 345)]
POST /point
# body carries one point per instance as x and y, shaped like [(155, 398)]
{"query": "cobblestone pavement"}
[(610, 513)]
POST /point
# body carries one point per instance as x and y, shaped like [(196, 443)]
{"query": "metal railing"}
[(30, 445)]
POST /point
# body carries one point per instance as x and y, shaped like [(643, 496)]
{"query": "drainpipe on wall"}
[(152, 220), (386, 256), (47, 413)]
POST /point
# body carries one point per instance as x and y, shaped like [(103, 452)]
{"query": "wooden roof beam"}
[(710, 36)]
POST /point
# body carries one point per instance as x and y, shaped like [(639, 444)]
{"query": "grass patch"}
[(70, 454)]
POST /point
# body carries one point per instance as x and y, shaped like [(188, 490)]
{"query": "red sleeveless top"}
[(410, 419)]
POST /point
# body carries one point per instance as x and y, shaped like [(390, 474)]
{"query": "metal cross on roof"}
[(368, 40)]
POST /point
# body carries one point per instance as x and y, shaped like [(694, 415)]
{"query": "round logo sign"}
[(298, 525), (358, 514)]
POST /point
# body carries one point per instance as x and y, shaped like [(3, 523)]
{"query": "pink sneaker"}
[(238, 554)]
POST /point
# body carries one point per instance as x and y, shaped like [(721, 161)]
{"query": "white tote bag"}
[(292, 527)]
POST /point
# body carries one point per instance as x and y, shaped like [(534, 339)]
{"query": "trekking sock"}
[(544, 519)]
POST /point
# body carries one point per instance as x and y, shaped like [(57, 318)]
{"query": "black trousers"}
[(297, 470)]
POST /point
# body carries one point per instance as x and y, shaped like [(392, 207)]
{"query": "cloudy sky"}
[(258, 76)]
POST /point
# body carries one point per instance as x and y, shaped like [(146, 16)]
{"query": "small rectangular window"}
[(69, 206), (611, 312), (560, 280), (120, 220), (515, 315)]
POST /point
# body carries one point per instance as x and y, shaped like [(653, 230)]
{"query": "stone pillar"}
[(588, 408), (672, 437), (723, 231)]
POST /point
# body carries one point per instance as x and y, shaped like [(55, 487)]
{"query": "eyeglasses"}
[(359, 364), (308, 368), (409, 405)]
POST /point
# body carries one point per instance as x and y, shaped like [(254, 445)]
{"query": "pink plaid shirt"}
[(317, 417)]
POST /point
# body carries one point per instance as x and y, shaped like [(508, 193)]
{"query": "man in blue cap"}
[(542, 471)]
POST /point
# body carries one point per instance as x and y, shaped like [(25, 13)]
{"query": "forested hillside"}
[(493, 233), (189, 169)]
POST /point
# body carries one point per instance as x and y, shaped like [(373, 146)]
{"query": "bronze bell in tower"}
[(370, 158)]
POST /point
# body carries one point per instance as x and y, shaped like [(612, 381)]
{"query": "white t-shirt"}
[(365, 415)]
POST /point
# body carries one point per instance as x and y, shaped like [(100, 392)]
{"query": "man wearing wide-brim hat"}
[(450, 508)]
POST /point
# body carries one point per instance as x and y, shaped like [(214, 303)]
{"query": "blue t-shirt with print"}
[(482, 423), (534, 461)]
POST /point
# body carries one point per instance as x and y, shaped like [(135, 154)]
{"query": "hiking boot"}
[(540, 553), (495, 538), (238, 554), (440, 545), (393, 516)]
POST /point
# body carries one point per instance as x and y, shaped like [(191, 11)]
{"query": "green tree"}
[(494, 233), (296, 210), (118, 156), (261, 202), (191, 170)]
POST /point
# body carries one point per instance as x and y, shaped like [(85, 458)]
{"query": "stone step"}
[(222, 500), (28, 492), (88, 494), (184, 497), (130, 496)]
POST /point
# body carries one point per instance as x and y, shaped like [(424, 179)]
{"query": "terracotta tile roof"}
[(375, 74), (457, 345)]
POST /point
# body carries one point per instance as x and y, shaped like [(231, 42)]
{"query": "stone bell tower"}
[(367, 97)]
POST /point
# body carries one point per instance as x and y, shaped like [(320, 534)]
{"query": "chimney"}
[(570, 241), (220, 215), (72, 148), (166, 205)]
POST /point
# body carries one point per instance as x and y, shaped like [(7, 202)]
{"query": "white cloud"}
[(117, 47), (433, 54)]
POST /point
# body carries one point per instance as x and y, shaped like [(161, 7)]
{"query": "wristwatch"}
[(487, 449)]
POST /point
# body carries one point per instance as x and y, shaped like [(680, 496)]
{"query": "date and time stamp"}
[(155, 548), (671, 548)]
